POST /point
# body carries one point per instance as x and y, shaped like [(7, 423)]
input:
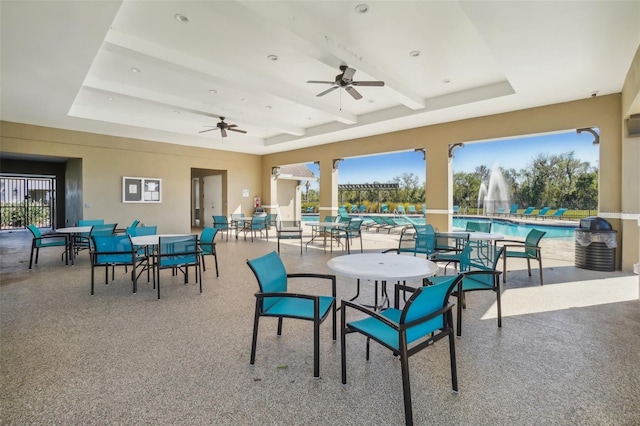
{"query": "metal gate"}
[(27, 200)]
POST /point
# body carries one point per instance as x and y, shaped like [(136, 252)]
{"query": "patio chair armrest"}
[(319, 276), (431, 316), (313, 297), (358, 307)]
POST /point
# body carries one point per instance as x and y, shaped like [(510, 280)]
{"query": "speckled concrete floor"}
[(568, 352)]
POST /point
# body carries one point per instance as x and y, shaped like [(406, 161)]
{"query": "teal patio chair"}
[(353, 230), (208, 246), (478, 226), (514, 210), (528, 211), (82, 241), (543, 212), (499, 211), (222, 223), (449, 248), (48, 240), (238, 222), (354, 208), (255, 226), (274, 300), (178, 253), (142, 230), (423, 209), (412, 209), (342, 212), (456, 209), (400, 209), (109, 251), (425, 319), (420, 240), (376, 223), (478, 272), (528, 249), (384, 208), (134, 224), (362, 208)]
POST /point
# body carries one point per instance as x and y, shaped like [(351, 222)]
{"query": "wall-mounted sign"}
[(141, 190), (245, 193)]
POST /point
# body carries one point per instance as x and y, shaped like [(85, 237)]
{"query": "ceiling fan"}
[(224, 127), (346, 80)]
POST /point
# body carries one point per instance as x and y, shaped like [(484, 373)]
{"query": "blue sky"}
[(514, 153)]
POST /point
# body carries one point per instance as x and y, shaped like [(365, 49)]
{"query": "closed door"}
[(212, 198)]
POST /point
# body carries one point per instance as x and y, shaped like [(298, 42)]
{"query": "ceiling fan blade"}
[(321, 82), (353, 92), (237, 130), (327, 91), (231, 125), (208, 130), (348, 74), (223, 132), (368, 83)]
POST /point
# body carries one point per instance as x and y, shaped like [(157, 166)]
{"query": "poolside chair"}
[(384, 208), (48, 240), (529, 249), (274, 300), (362, 208), (82, 241), (514, 210), (310, 209), (456, 209), (478, 270), (391, 223), (342, 212), (376, 222), (208, 246), (400, 209), (425, 319), (423, 209), (178, 253), (499, 211), (354, 208), (529, 210), (449, 248), (412, 209), (558, 214), (543, 212)]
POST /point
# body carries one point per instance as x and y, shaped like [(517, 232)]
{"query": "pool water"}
[(500, 226)]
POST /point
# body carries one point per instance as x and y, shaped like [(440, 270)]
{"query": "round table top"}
[(474, 235), (382, 267), (74, 229), (148, 240)]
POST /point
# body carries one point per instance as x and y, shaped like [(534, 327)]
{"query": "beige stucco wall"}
[(106, 159)]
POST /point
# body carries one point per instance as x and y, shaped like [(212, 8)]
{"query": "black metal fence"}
[(26, 200)]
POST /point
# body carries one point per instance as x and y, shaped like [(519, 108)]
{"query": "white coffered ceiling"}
[(68, 64)]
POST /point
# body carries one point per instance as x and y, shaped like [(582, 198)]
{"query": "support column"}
[(328, 187), (439, 187)]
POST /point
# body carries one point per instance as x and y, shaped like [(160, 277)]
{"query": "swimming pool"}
[(500, 226)]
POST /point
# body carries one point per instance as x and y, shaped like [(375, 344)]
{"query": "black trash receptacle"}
[(595, 245)]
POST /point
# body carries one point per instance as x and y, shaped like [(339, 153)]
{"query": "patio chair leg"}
[(406, 387), (256, 321)]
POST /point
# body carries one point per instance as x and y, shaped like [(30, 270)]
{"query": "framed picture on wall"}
[(141, 190)]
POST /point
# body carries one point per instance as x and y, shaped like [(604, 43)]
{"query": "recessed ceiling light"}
[(272, 57), (181, 18), (110, 98), (414, 53), (309, 118), (370, 101), (243, 100), (176, 112), (362, 8), (268, 107), (446, 81), (135, 70), (214, 91)]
